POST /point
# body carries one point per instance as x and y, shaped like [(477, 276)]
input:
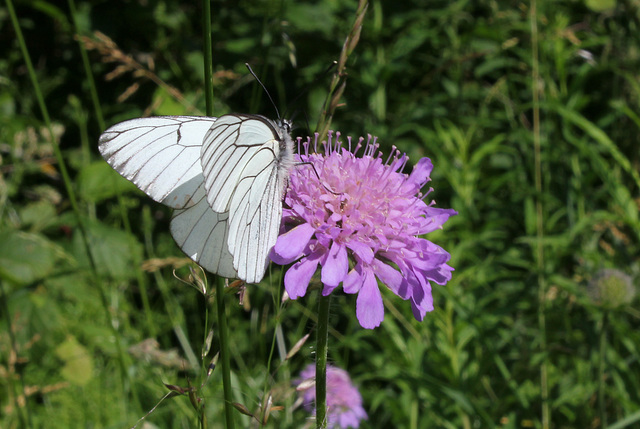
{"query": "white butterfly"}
[(225, 177)]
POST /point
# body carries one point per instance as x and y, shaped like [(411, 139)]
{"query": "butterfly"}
[(224, 177)]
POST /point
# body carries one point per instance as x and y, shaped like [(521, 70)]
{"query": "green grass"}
[(515, 339)]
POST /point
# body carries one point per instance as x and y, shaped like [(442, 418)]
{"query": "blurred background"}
[(530, 114)]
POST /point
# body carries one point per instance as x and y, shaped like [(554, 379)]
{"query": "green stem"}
[(539, 252), (222, 316), (601, 372), (208, 55), (24, 413), (321, 361), (87, 68), (224, 354)]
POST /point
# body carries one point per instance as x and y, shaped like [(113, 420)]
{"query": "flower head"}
[(343, 208), (344, 403), (611, 288)]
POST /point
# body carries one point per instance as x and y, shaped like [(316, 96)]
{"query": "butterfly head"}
[(285, 125)]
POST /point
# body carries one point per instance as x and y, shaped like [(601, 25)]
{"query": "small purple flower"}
[(344, 403), (343, 208)]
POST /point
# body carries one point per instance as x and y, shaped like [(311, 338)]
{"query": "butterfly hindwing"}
[(202, 234)]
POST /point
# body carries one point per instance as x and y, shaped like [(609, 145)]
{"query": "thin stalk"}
[(222, 316), (602, 384), (208, 55), (338, 81), (87, 68), (224, 354), (535, 78), (71, 195), (322, 337), (24, 414)]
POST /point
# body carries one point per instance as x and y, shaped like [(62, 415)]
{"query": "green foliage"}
[(453, 81)]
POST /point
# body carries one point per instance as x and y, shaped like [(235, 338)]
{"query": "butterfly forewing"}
[(227, 149), (160, 155), (257, 211), (242, 163)]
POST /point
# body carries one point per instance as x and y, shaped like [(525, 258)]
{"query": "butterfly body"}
[(225, 177)]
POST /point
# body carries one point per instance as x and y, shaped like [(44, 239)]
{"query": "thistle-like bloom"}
[(344, 403), (360, 218), (611, 288)]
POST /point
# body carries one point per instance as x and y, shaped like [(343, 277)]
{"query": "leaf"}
[(601, 5), (78, 363), (38, 215), (165, 104), (115, 252), (603, 140), (26, 257), (98, 181)]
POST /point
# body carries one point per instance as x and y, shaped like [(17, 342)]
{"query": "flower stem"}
[(540, 249), (208, 55), (602, 382), (224, 354), (321, 361)]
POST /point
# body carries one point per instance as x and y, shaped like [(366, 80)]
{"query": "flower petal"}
[(418, 177), (421, 298), (297, 278), (362, 250), (353, 282), (389, 276), (441, 275), (336, 266), (290, 245), (435, 217), (369, 306)]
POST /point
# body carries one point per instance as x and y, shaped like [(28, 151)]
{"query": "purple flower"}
[(344, 403), (342, 208)]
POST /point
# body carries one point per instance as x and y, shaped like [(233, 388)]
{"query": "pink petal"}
[(369, 306), (389, 276), (421, 299), (419, 176), (297, 278), (362, 250), (353, 282), (290, 245), (435, 218), (336, 266)]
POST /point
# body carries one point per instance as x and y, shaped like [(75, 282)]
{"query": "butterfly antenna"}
[(263, 87)]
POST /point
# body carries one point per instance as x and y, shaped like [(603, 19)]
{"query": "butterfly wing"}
[(245, 161), (202, 234), (255, 215), (160, 155)]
